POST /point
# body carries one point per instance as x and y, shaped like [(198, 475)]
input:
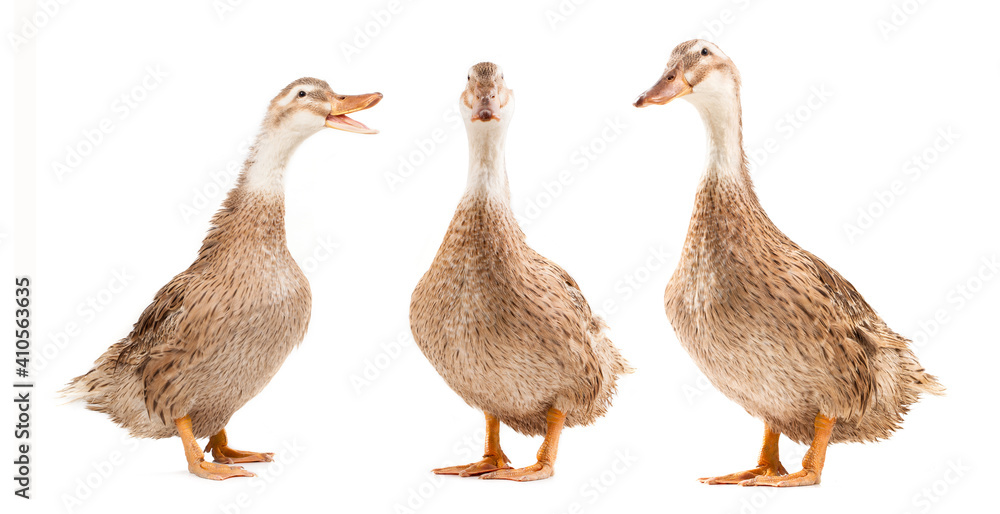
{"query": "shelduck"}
[(506, 328), (217, 333), (772, 326)]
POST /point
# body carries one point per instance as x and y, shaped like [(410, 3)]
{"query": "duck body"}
[(215, 335), (509, 330), (506, 328), (781, 333), (772, 326)]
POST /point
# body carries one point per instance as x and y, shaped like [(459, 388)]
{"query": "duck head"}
[(699, 72), (307, 105), (486, 102)]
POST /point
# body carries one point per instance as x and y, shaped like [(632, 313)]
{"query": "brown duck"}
[(217, 333), (771, 325), (506, 328)]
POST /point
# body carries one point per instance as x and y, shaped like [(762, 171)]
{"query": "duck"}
[(772, 326), (217, 333), (506, 328)]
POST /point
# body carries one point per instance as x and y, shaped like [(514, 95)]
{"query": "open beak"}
[(487, 108), (342, 105), (671, 85)]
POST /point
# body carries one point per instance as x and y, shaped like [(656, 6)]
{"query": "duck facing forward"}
[(506, 328), (772, 326), (217, 333)]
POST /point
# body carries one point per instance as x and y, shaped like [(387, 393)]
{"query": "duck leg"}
[(812, 463), (218, 444), (196, 459), (546, 454), (767, 465), (493, 457)]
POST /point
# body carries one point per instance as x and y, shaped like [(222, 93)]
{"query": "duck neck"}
[(487, 167), (726, 204), (254, 210), (725, 162), (264, 170)]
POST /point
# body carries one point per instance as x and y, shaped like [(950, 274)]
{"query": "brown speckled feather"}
[(509, 330), (217, 333), (772, 326), (214, 336)]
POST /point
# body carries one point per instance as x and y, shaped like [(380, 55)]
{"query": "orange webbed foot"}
[(215, 471), (536, 471), (799, 478), (218, 444), (196, 459), (742, 476), (227, 455), (774, 474), (493, 459), (488, 464)]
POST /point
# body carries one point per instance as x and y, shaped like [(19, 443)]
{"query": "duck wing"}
[(167, 342)]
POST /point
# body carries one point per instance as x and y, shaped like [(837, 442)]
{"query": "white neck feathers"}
[(265, 170), (720, 111), (487, 167)]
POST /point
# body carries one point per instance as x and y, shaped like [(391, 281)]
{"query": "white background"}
[(346, 447)]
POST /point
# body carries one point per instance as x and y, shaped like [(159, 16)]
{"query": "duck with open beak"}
[(342, 105)]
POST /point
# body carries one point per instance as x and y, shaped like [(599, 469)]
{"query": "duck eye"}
[(704, 51), (301, 94)]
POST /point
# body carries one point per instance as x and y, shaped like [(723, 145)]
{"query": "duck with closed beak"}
[(772, 326), (506, 328), (217, 333)]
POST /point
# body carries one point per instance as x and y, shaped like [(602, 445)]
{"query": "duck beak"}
[(487, 108), (341, 106), (671, 85)]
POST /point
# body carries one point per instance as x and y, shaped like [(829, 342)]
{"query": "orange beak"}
[(342, 105), (486, 107), (670, 86)]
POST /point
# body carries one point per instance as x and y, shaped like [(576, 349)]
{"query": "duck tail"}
[(96, 386), (89, 387), (926, 383), (619, 366)]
